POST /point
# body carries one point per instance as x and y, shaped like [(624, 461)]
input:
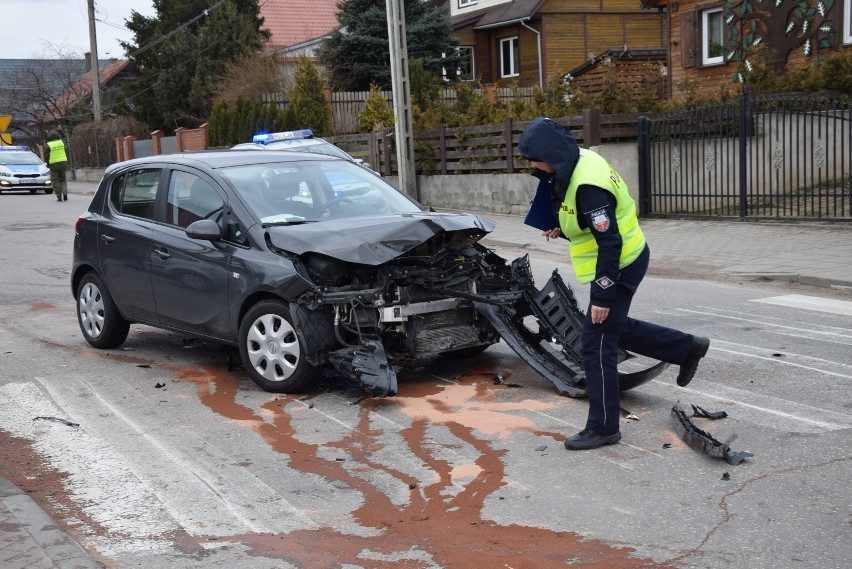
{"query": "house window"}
[(712, 46), (465, 3), (847, 21), (509, 66), (466, 70)]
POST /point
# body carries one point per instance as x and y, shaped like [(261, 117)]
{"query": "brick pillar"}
[(204, 128), (127, 141), (119, 150), (157, 142), (490, 93), (179, 139)]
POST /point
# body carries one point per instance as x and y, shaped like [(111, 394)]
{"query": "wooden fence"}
[(483, 149), (346, 107)]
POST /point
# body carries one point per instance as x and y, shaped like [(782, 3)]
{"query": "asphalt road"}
[(177, 461)]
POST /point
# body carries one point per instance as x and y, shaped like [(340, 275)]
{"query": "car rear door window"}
[(135, 193), (192, 198)]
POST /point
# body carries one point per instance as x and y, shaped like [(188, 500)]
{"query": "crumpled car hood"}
[(376, 240)]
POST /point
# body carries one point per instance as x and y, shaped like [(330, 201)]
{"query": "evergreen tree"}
[(359, 53), (306, 99), (181, 50)]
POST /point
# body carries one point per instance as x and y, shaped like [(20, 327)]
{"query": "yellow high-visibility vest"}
[(57, 152), (593, 169)]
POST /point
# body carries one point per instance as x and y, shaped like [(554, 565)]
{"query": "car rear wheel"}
[(271, 351), (102, 325)]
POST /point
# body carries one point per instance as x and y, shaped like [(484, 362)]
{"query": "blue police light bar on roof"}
[(14, 147), (288, 135)]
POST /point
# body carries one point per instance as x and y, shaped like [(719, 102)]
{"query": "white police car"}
[(21, 169), (299, 141)]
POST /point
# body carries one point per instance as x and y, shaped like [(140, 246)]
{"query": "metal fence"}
[(760, 157)]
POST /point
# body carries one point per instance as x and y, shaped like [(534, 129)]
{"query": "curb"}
[(39, 538)]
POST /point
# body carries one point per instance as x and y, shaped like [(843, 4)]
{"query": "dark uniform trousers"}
[(601, 343)]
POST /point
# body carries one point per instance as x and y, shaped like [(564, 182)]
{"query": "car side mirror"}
[(206, 229)]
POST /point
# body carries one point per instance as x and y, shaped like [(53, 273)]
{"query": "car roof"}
[(223, 158)]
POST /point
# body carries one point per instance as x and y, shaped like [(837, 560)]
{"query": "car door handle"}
[(107, 238), (162, 253)]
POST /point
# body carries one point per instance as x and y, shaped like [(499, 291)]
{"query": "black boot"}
[(588, 439), (699, 348)]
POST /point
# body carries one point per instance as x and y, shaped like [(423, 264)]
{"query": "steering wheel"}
[(334, 203)]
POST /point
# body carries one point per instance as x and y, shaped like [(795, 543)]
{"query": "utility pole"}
[(93, 57), (401, 97)]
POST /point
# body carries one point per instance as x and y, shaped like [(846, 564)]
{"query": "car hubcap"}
[(91, 310), (273, 347)]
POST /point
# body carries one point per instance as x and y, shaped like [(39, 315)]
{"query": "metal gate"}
[(783, 156)]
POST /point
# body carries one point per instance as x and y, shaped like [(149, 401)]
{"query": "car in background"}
[(22, 170), (307, 263), (300, 141)]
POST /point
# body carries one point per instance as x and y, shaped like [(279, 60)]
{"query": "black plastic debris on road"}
[(713, 415), (726, 476), (58, 420), (702, 441), (159, 385), (144, 366)]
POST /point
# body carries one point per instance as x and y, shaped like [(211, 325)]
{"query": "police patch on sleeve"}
[(600, 219), (604, 282)]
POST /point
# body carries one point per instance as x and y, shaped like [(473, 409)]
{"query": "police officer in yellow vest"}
[(57, 161), (581, 197)]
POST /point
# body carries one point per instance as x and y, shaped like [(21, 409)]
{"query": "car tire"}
[(48, 190), (101, 323), (32, 191), (272, 352)]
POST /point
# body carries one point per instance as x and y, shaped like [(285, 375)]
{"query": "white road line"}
[(822, 419), (840, 333), (832, 306), (182, 502), (779, 361)]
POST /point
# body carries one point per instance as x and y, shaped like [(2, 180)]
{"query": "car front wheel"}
[(271, 351), (102, 325)]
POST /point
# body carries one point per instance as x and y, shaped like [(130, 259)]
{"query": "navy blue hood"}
[(546, 141)]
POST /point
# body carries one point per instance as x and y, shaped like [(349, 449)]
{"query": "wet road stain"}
[(434, 528)]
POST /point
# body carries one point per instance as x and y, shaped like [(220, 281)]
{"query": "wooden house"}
[(529, 42), (713, 45)]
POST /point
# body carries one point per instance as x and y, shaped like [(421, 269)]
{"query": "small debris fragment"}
[(357, 401), (499, 379), (726, 476), (144, 366), (340, 459), (628, 415), (541, 447), (714, 415), (159, 385), (59, 420), (235, 364), (412, 485), (777, 355), (310, 405), (667, 445)]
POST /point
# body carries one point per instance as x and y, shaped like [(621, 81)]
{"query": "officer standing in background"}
[(580, 196), (57, 161)]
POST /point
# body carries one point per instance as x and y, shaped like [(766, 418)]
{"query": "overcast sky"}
[(35, 29)]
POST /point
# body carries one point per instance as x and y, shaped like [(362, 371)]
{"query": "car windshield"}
[(282, 193), (19, 158)]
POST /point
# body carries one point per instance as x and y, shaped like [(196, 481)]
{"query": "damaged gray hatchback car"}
[(308, 263)]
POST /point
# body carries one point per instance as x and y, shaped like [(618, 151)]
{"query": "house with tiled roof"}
[(298, 26), (110, 76)]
